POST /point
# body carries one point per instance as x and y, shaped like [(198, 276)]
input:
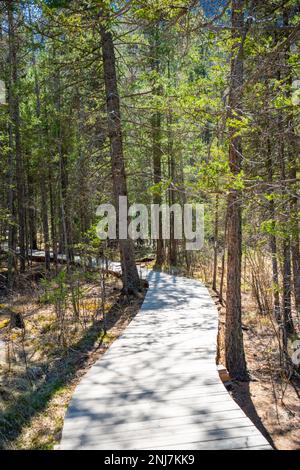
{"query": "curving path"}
[(157, 387)]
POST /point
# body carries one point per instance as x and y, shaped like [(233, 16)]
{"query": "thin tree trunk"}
[(44, 206), (172, 176), (273, 241), (295, 244), (157, 176), (287, 320), (216, 235), (11, 203), (156, 148), (293, 165), (42, 163), (15, 118), (65, 239), (63, 193), (31, 212), (223, 264), (52, 219), (131, 281)]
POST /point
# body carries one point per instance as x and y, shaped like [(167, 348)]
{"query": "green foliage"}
[(58, 3), (55, 290)]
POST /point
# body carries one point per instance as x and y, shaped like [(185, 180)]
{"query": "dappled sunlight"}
[(158, 386)]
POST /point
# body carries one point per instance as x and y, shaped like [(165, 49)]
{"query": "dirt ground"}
[(268, 399), (34, 396), (38, 372)]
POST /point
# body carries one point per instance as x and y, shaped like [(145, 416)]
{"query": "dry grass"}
[(269, 400), (38, 370)]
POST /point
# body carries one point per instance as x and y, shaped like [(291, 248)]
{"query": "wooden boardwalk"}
[(157, 387)]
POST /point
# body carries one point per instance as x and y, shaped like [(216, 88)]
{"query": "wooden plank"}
[(80, 423), (157, 387), (176, 438), (132, 431), (242, 443)]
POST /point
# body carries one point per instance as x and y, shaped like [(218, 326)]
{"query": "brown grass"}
[(269, 400), (38, 372)]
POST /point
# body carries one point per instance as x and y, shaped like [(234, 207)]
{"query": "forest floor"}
[(269, 400), (41, 364)]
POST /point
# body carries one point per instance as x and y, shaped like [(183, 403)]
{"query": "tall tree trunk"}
[(11, 262), (131, 281), (157, 176), (62, 134), (223, 264), (183, 200), (11, 200), (235, 356), (273, 241), (15, 118), (42, 163), (53, 218), (156, 147), (287, 320), (293, 165), (216, 235), (45, 223), (64, 184), (172, 177), (295, 242), (31, 213), (173, 241)]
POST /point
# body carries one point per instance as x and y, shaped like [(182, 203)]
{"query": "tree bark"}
[(287, 321), (131, 281), (223, 260), (273, 241), (42, 164), (295, 245), (15, 118), (157, 176), (11, 200), (216, 234), (52, 218), (292, 149), (235, 356), (172, 176), (156, 148)]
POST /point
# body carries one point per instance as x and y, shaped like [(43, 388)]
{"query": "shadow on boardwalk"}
[(157, 387)]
